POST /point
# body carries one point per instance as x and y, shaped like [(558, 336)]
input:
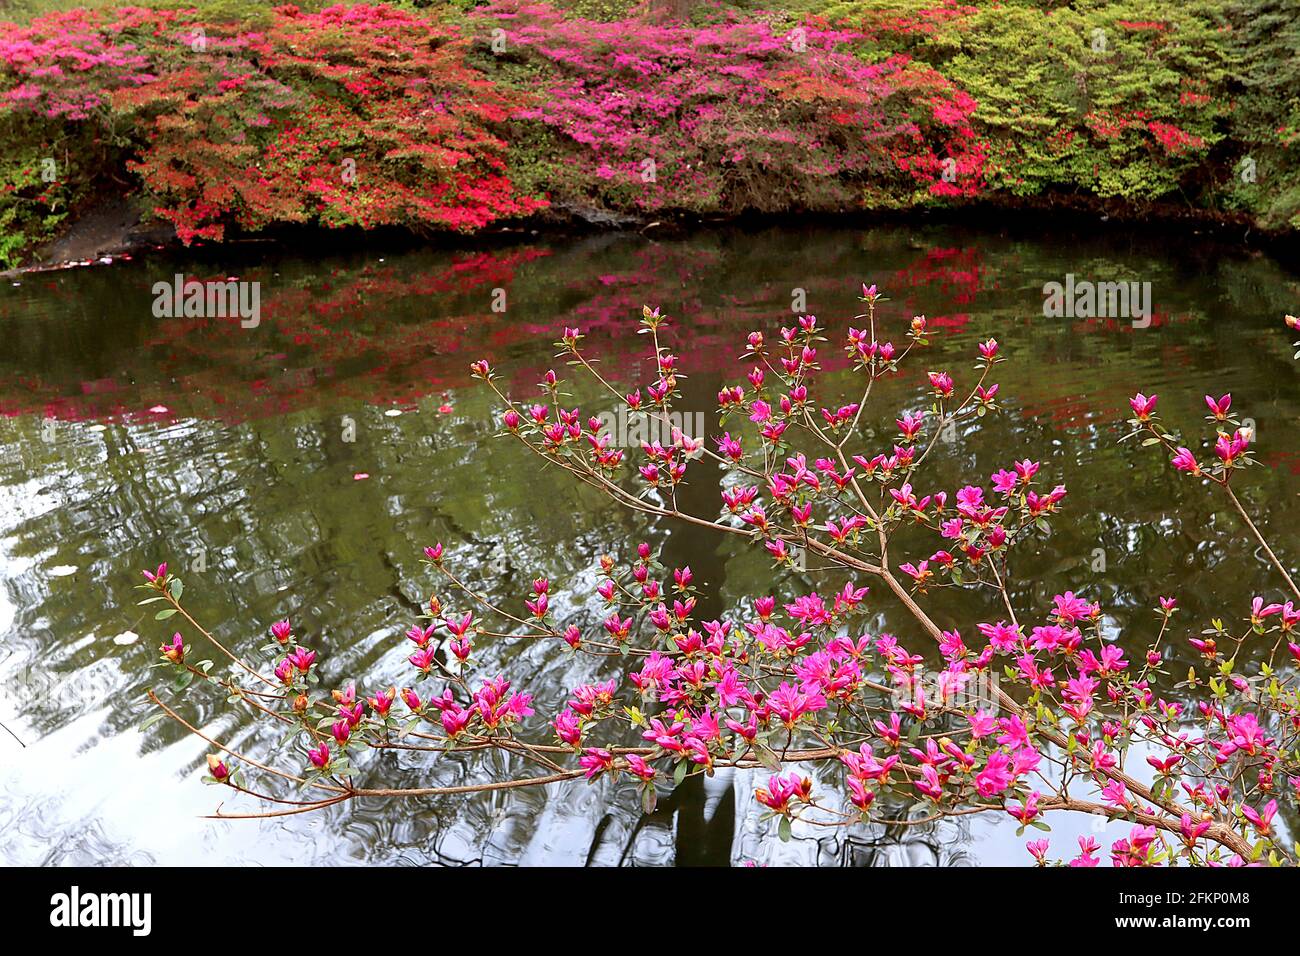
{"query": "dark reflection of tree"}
[(700, 839)]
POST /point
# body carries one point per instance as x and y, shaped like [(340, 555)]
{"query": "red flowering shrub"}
[(732, 116), (363, 115)]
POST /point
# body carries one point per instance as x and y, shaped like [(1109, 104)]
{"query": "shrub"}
[(362, 115), (731, 116), (1112, 99)]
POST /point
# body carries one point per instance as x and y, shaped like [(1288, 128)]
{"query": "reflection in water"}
[(232, 453)]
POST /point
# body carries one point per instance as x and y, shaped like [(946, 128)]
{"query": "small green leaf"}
[(768, 758)]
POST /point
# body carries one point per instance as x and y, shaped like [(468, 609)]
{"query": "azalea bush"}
[(456, 116), (1110, 99), (1031, 711), (350, 116), (729, 116)]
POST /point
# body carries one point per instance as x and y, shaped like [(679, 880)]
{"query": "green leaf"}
[(164, 614), (784, 830), (768, 758), (177, 587)]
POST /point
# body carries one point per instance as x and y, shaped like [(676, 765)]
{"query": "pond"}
[(300, 467)]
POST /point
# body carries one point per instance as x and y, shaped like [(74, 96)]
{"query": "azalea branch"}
[(793, 685)]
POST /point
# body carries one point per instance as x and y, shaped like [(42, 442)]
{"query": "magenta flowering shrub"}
[(732, 116), (1032, 711), (67, 65)]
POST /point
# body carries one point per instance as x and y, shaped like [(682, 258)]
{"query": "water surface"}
[(129, 440)]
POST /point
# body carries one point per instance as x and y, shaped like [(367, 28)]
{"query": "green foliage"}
[(1267, 37), (1124, 99), (44, 173)]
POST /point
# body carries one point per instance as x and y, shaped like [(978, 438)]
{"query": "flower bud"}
[(175, 651)]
